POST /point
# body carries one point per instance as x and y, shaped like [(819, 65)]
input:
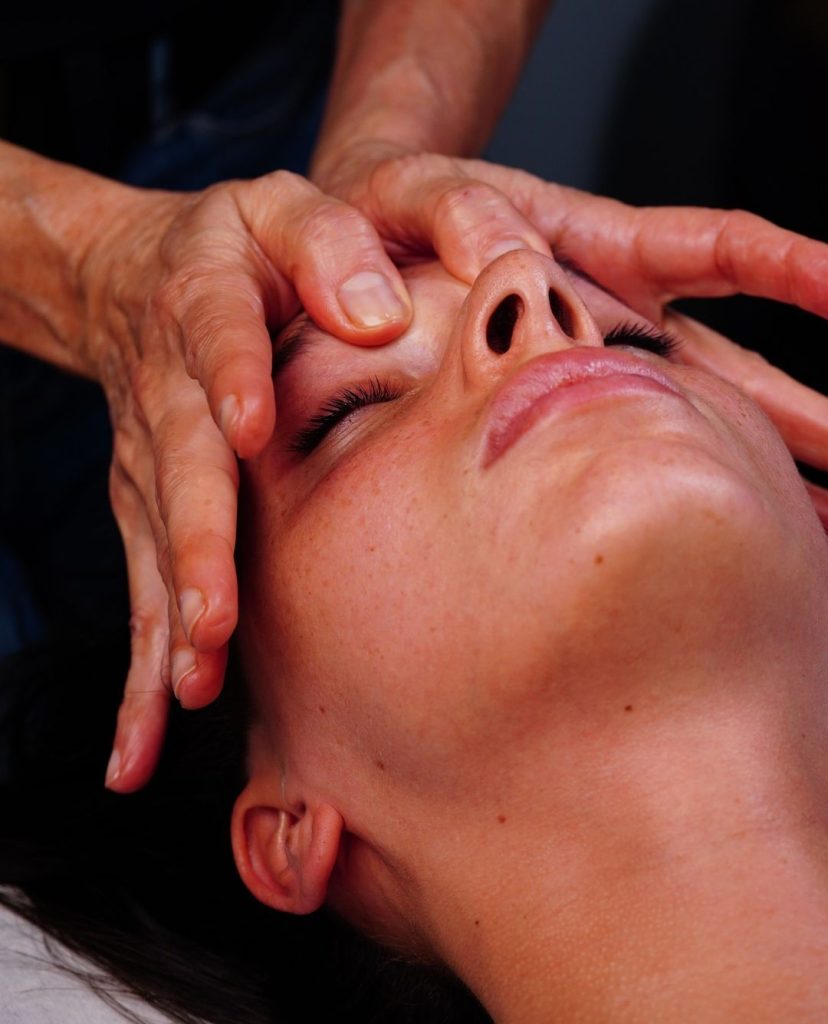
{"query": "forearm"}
[(49, 213), (424, 75)]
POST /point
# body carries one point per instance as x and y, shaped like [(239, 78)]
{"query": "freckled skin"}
[(393, 550), (451, 621)]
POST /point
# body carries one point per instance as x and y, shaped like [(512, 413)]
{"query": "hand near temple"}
[(186, 287), (166, 299)]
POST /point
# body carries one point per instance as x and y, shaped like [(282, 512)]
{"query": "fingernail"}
[(368, 300), (503, 246), (183, 662), (229, 411), (191, 606), (113, 769)]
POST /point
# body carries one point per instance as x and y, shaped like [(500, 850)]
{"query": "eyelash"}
[(337, 408), (375, 392), (642, 336)]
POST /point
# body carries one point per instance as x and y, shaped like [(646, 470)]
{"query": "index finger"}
[(429, 202), (710, 253), (653, 255), (228, 350)]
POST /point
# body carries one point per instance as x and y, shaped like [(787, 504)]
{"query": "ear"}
[(285, 857)]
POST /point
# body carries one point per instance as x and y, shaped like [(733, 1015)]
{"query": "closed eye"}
[(644, 336), (376, 392), (337, 409)]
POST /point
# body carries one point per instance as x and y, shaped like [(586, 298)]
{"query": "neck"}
[(736, 933), (683, 874)]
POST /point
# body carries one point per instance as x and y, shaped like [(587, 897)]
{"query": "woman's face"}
[(510, 523)]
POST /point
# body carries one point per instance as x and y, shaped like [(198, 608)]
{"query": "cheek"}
[(421, 607), (364, 592), (412, 601), (406, 602)]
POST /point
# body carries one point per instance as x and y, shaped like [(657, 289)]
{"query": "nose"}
[(520, 306)]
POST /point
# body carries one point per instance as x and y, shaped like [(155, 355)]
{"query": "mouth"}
[(557, 382)]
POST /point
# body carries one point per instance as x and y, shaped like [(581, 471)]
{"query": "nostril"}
[(562, 312), (501, 325)]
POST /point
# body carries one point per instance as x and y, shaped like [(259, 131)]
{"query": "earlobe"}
[(285, 858)]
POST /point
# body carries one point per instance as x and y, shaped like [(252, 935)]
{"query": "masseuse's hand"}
[(653, 255), (180, 293), (180, 290), (648, 256)]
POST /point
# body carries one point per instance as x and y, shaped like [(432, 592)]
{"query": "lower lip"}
[(565, 398)]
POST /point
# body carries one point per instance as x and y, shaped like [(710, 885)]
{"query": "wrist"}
[(99, 230), (360, 123), (50, 216)]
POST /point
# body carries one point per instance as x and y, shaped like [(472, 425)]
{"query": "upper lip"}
[(554, 370)]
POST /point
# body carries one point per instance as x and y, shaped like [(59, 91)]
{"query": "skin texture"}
[(450, 69), (168, 300), (558, 720)]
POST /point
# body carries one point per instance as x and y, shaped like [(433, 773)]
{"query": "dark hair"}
[(144, 886)]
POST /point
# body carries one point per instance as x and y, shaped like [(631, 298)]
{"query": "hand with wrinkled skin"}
[(166, 299), (647, 256), (180, 295)]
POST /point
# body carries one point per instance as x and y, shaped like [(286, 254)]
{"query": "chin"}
[(637, 535)]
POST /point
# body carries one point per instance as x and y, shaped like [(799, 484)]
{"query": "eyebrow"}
[(292, 343)]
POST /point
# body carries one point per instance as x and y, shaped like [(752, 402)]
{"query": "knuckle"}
[(328, 223), (145, 625), (736, 226), (118, 497), (126, 454), (456, 202), (149, 632), (280, 187), (263, 203), (174, 297), (286, 182), (739, 220), (162, 303), (219, 194)]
